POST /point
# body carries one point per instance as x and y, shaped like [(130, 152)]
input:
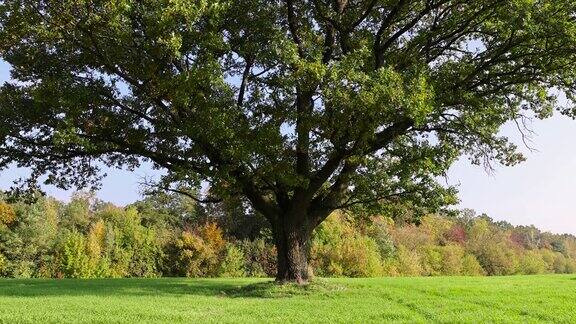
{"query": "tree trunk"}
[(292, 245)]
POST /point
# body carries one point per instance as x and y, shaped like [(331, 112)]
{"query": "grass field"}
[(440, 299)]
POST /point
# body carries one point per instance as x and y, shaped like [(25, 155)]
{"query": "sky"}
[(540, 191)]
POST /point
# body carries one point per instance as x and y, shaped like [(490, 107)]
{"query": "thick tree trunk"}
[(292, 245)]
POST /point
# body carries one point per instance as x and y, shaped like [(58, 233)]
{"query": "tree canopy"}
[(302, 107)]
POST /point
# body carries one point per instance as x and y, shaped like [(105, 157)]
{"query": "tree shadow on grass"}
[(229, 288), (115, 287)]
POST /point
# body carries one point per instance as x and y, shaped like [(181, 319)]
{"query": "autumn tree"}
[(300, 106)]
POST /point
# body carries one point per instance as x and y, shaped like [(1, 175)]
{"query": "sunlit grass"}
[(441, 299)]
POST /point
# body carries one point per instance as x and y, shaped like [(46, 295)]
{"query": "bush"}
[(118, 256), (532, 263), (452, 256), (560, 264), (233, 263), (409, 262), (199, 253), (3, 264), (436, 226), (75, 261), (456, 234), (390, 268), (432, 261), (443, 260), (380, 233), (338, 249), (360, 257), (259, 258), (7, 214), (196, 258), (496, 258), (87, 238), (570, 266), (412, 237), (471, 266), (22, 269), (549, 258), (145, 254), (96, 238)]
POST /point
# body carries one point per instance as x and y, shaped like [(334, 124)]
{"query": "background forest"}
[(171, 235)]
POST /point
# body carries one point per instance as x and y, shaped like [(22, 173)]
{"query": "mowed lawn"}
[(441, 299)]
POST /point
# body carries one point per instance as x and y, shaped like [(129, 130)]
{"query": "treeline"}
[(171, 235)]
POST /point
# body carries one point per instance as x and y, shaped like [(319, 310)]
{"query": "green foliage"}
[(471, 266), (233, 263), (496, 258), (3, 264), (444, 260), (339, 250), (28, 242), (533, 263), (260, 258), (167, 210), (46, 241), (409, 262), (76, 214), (379, 231), (309, 106), (76, 263)]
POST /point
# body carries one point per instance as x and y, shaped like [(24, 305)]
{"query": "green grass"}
[(441, 299)]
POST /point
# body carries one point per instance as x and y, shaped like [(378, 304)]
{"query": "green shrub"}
[(88, 238), (532, 263), (549, 257), (118, 256), (445, 260), (452, 257), (22, 269), (432, 260), (339, 249), (75, 260), (380, 233), (570, 266), (442, 260), (259, 258), (496, 258), (409, 262), (360, 258), (233, 263), (471, 266), (48, 267), (560, 264), (3, 264), (390, 268)]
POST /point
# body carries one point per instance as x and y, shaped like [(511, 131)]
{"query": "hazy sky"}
[(540, 191)]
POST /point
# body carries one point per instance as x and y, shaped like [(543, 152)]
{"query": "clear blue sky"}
[(540, 191)]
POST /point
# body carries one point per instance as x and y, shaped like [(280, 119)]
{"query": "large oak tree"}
[(300, 106)]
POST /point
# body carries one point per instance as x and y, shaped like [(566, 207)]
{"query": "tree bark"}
[(292, 241)]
